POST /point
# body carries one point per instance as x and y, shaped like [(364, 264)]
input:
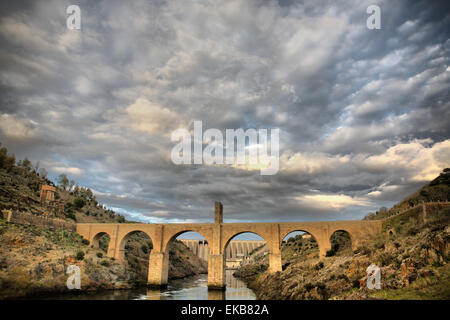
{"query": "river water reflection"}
[(191, 288)]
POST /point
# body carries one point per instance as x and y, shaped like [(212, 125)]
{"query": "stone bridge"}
[(218, 235)]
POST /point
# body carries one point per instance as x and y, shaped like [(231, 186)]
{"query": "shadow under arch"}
[(234, 256), (128, 237), (99, 243), (172, 250), (341, 241), (134, 251), (298, 245)]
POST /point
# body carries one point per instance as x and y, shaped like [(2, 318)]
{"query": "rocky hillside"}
[(33, 259), (413, 260)]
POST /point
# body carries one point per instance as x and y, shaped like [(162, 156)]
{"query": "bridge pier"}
[(324, 246), (275, 264), (216, 271), (158, 270), (112, 248)]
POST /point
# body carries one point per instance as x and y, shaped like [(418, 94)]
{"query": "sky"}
[(364, 115)]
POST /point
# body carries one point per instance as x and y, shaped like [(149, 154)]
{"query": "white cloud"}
[(13, 126), (147, 116), (69, 170), (332, 201)]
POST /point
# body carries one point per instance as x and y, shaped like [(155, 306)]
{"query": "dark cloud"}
[(363, 114)]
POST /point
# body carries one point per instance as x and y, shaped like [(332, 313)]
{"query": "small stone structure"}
[(39, 221), (7, 214), (47, 193), (218, 212)]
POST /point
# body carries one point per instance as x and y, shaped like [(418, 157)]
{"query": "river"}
[(190, 288)]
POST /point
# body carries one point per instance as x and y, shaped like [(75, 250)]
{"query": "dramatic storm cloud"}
[(364, 115)]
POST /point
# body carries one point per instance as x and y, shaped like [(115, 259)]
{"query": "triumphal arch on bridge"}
[(218, 235)]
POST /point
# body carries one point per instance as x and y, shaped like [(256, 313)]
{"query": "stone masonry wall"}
[(44, 222)]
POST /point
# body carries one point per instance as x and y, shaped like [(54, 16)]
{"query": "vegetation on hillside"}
[(34, 260), (20, 190)]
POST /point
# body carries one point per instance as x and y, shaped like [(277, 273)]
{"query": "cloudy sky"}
[(364, 115)]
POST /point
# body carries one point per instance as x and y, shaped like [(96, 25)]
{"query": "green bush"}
[(105, 263), (319, 265), (99, 255), (79, 203), (80, 255), (104, 243), (85, 241)]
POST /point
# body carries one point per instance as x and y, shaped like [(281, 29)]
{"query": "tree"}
[(63, 181), (26, 164), (72, 183), (6, 161), (43, 173), (90, 194), (9, 163), (79, 203)]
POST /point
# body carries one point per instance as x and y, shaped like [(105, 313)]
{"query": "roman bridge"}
[(218, 235)]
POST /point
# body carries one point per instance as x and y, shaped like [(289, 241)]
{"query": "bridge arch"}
[(323, 242), (231, 258), (165, 251), (299, 244), (289, 231), (341, 239), (95, 242), (123, 241), (232, 236), (171, 237)]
